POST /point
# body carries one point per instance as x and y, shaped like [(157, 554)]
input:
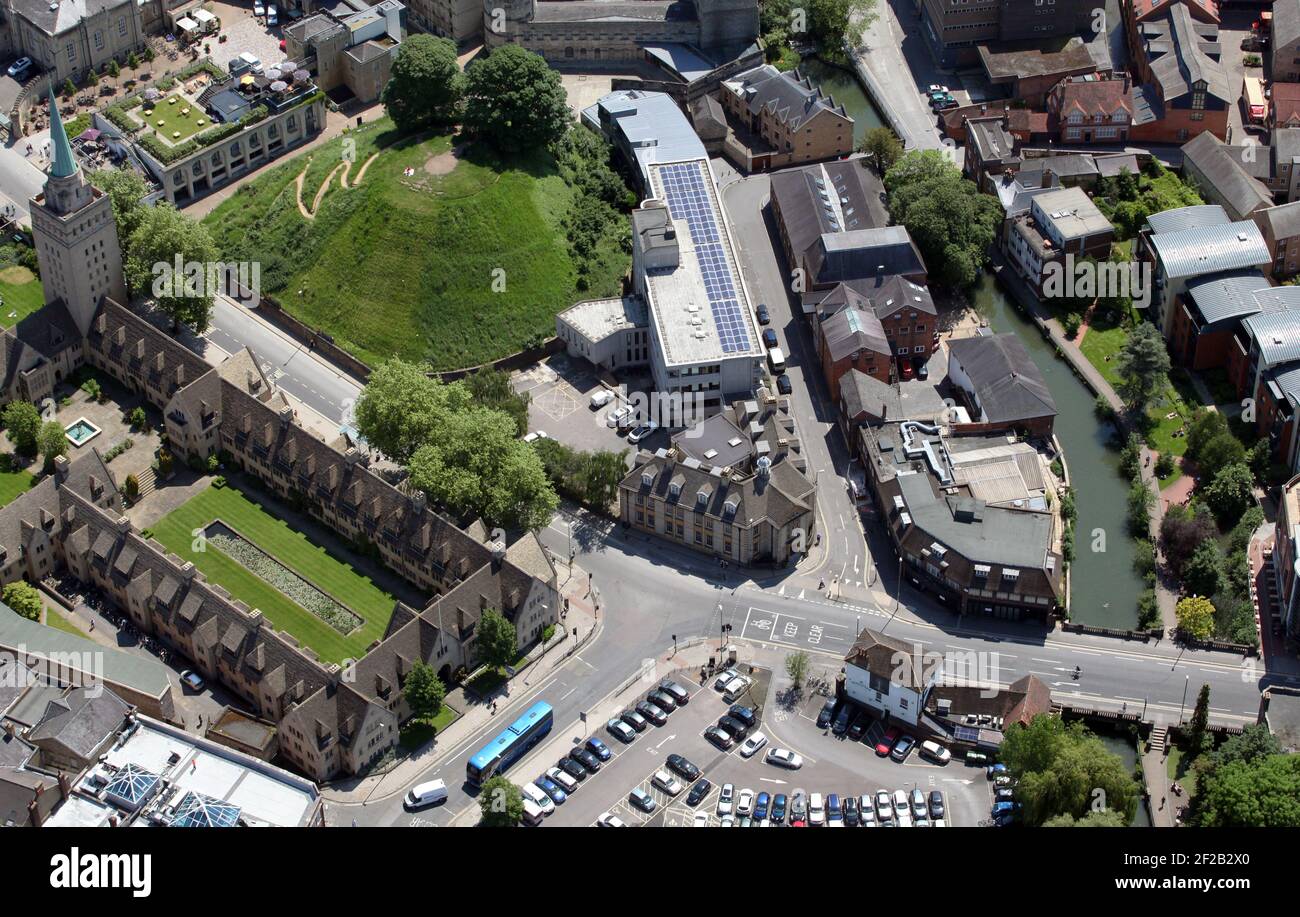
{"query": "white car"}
[(727, 821), (935, 87), (539, 798), (752, 745), (193, 680), (701, 820), (935, 752), (901, 804), (721, 681), (563, 779), (609, 820), (727, 799), (816, 810), (535, 436), (884, 806), (616, 417), (666, 782), (784, 757), (601, 398), (642, 432), (259, 8), (745, 802), (272, 15)]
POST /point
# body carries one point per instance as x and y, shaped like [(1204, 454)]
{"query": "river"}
[(1104, 585)]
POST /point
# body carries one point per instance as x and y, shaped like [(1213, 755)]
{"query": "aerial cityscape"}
[(649, 413)]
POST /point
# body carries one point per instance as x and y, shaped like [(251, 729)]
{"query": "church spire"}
[(64, 164)]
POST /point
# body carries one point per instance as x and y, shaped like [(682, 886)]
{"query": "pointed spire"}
[(64, 163)]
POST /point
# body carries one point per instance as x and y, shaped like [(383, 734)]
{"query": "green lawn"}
[(14, 483), (414, 265), (167, 119), (415, 735), (58, 622), (313, 562), (21, 294)]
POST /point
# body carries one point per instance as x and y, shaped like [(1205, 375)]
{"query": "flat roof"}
[(699, 307), (597, 319), (1072, 212), (650, 126)]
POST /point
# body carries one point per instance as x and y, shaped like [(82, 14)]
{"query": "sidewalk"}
[(476, 712), (892, 79), (1155, 774)]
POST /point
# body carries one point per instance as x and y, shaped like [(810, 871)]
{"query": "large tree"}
[(1203, 572), (515, 101), (1066, 770), (1263, 793), (473, 464), (883, 146), (950, 221), (1102, 818), (1195, 615), (52, 442), (425, 85), (501, 803), (1200, 721), (1182, 530), (401, 406), (491, 388), (1230, 493), (1143, 365), (164, 238), (23, 598), (498, 641), (424, 691), (23, 423), (126, 190)]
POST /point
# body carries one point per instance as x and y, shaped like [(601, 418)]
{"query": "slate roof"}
[(1186, 60), (853, 328), (861, 253), (1283, 221), (1007, 382), (1286, 22), (66, 14), (1227, 179), (880, 655), (792, 98), (80, 722), (863, 394), (798, 197)]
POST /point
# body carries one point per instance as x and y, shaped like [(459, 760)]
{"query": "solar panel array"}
[(966, 734), (687, 191)]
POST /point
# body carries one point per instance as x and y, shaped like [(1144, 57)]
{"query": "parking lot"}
[(830, 764)]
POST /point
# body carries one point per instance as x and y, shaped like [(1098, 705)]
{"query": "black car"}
[(859, 726), (761, 312), (663, 700), (635, 720), (683, 768), (652, 713), (778, 809), (734, 726), (769, 338), (586, 759), (783, 384), (744, 714), (572, 768), (841, 724), (850, 811), (719, 737), (828, 713), (698, 792), (676, 692), (936, 804)]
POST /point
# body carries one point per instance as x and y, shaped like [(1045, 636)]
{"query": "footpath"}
[(583, 613)]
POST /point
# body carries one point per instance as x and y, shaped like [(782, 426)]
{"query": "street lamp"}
[(722, 642), (1186, 680), (898, 597)]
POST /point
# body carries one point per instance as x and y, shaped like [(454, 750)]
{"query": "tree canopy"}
[(501, 803), (1143, 365), (1195, 615), (401, 406), (425, 85), (424, 690), (1230, 493), (950, 221), (163, 237), (23, 598), (126, 191), (23, 423), (1063, 769), (498, 641), (515, 101), (883, 146), (1259, 793)]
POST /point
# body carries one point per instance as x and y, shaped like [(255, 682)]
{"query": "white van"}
[(426, 794), (538, 797), (776, 360), (252, 60), (532, 812)]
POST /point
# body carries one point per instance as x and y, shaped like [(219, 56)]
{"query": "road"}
[(20, 181), (292, 366)]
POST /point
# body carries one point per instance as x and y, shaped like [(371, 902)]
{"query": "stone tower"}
[(727, 23), (76, 236)]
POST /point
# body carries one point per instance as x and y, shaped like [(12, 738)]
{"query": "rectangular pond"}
[(265, 567)]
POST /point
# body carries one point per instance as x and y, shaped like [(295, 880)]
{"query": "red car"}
[(905, 369), (887, 741)]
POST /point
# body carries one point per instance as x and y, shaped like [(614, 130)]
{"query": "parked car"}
[(902, 748), (735, 727), (20, 68), (783, 384), (744, 714), (663, 700), (635, 720), (698, 792), (866, 811), (609, 820), (761, 806), (620, 730), (642, 432), (652, 713), (193, 680), (762, 313), (850, 811), (700, 820), (535, 436), (666, 782), (599, 749), (642, 800), (859, 726), (616, 417), (575, 770), (934, 752), (552, 789), (784, 757), (770, 339), (995, 770), (826, 714), (720, 683), (922, 369), (976, 759), (778, 809), (834, 814), (586, 759), (934, 87), (538, 797), (719, 737), (272, 15), (680, 765), (884, 806), (556, 775), (902, 806), (745, 802), (676, 692), (816, 810), (886, 743), (920, 806), (601, 397), (798, 806), (936, 804), (752, 745), (726, 799)]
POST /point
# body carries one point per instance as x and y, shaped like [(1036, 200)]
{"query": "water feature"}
[(1104, 586), (81, 431), (1125, 746), (847, 91)]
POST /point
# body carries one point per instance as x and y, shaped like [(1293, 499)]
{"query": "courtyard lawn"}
[(21, 294), (59, 622), (415, 734), (311, 561), (13, 484), (166, 119), (459, 262)]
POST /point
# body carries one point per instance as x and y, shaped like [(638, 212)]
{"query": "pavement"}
[(894, 62)]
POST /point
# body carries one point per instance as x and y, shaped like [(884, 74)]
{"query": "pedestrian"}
[(92, 625), (1162, 802)]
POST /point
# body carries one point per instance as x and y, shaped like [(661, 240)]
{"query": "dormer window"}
[(674, 490), (647, 478)]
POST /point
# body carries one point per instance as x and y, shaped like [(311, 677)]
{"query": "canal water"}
[(1124, 745), (844, 87), (1104, 585)]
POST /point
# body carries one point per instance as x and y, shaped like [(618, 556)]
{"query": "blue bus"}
[(510, 746)]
